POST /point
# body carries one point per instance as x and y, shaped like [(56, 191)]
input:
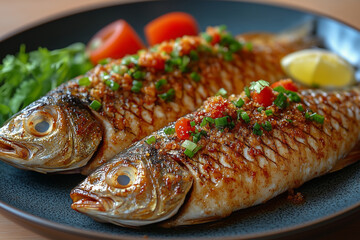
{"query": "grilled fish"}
[(88, 120), (239, 154)]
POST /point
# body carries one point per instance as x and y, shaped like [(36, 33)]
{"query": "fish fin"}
[(351, 158)]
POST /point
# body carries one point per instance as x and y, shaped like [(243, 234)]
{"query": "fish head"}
[(55, 133), (133, 189)]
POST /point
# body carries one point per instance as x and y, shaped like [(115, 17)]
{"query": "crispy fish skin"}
[(235, 168), (126, 116)]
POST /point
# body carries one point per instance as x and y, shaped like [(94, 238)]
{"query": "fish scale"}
[(235, 168)]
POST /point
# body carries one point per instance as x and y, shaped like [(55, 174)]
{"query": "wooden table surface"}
[(15, 14)]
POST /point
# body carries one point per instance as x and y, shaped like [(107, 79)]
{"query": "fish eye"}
[(40, 124), (123, 180), (124, 177)]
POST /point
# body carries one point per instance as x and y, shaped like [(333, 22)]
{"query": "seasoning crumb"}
[(295, 198)]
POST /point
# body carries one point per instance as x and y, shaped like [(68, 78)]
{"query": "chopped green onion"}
[(267, 126), (257, 130), (104, 76), (168, 96), (190, 154), (249, 46), (195, 76), (281, 101), (194, 55), (222, 92), (184, 62), (169, 66), (300, 108), (279, 89), (293, 96), (138, 75), (239, 103), (258, 86), (289, 120), (307, 115), (260, 109), (247, 92), (245, 117), (96, 105), (227, 56), (197, 136), (319, 118), (269, 112), (132, 59), (235, 46), (192, 123), (222, 28), (120, 69), (151, 140), (210, 120), (207, 120), (160, 83), (85, 81), (169, 131), (104, 61), (114, 85), (207, 37), (221, 122), (189, 145), (137, 85)]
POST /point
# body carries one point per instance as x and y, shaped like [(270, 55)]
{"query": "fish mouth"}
[(84, 201), (10, 150)]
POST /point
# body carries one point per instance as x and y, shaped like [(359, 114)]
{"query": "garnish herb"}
[(136, 86), (151, 140), (239, 103), (257, 130), (244, 116), (281, 101), (267, 126), (195, 76), (260, 109), (96, 105), (269, 112), (222, 92), (207, 120), (189, 145), (247, 92), (207, 37), (194, 55), (132, 59), (169, 131), (160, 83), (84, 81), (192, 123), (168, 96), (300, 108), (258, 86), (26, 77)]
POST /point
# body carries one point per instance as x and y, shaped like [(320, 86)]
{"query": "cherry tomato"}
[(183, 128), (170, 26), (288, 84), (265, 97), (114, 41)]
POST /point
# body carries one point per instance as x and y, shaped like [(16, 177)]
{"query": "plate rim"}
[(11, 212)]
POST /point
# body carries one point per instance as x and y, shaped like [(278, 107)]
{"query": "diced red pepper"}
[(183, 128), (265, 98), (288, 84)]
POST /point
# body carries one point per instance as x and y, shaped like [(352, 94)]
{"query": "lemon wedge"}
[(317, 67)]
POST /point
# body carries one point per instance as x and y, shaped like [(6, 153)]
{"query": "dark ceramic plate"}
[(41, 202)]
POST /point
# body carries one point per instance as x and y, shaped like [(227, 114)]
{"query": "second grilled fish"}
[(88, 120), (240, 154)]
